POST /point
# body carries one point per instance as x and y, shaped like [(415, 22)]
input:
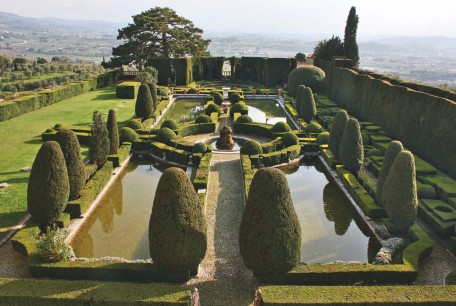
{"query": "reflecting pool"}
[(260, 110), (183, 110)]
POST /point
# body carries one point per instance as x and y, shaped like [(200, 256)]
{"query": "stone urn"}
[(225, 142)]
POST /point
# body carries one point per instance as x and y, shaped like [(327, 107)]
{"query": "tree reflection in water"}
[(335, 210)]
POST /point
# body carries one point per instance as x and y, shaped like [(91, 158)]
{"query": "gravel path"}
[(12, 264), (223, 278)]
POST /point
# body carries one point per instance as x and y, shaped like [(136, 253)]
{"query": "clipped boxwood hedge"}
[(122, 153), (172, 154), (196, 128), (127, 90)]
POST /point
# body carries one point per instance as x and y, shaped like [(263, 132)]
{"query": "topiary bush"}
[(251, 147), (113, 132), (308, 108), (192, 91), (323, 138), (289, 139), (153, 93), (310, 76), (270, 234), (69, 144), (399, 191), (128, 135), (203, 119), (393, 149), (164, 135), (298, 99), (134, 124), (425, 191), (336, 132), (244, 119), (218, 97), (212, 108), (144, 107), (280, 127), (313, 128), (48, 186), (49, 131), (234, 97), (170, 124), (199, 147), (240, 107), (351, 146), (177, 227), (99, 140)]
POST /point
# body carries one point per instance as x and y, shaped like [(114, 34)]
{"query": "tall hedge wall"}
[(163, 65), (422, 122), (277, 70)]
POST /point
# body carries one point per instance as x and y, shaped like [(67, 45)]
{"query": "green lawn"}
[(20, 140)]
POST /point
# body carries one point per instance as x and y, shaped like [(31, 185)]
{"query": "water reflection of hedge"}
[(336, 209)]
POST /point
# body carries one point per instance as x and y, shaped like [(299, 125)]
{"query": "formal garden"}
[(269, 184)]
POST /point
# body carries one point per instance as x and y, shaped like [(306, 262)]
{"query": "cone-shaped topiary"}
[(280, 127), (203, 119), (240, 107), (48, 186), (199, 147), (270, 234), (393, 149), (299, 97), (113, 132), (351, 146), (310, 76), (218, 98), (144, 107), (399, 191), (170, 124), (71, 151), (289, 139), (164, 135), (134, 124), (128, 135), (153, 93), (244, 119), (212, 108), (336, 132), (308, 108), (99, 140), (251, 147), (177, 227), (234, 98)]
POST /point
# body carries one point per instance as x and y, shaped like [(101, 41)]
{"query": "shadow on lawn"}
[(8, 220)]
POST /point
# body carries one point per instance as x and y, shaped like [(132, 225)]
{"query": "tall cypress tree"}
[(113, 132), (99, 140), (350, 44)]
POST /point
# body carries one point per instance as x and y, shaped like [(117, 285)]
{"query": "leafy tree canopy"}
[(158, 32)]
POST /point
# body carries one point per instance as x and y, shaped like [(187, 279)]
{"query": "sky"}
[(378, 18)]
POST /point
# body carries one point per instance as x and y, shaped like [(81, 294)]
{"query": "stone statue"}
[(225, 142)]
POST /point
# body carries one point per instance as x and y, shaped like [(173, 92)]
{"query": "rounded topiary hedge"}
[(351, 146), (399, 191), (127, 134), (336, 132), (164, 135), (134, 124), (270, 233), (310, 76), (251, 147), (203, 119), (48, 186), (218, 97), (280, 127), (177, 226), (144, 107), (298, 99), (212, 108), (313, 128), (244, 119), (199, 147), (425, 191), (323, 138), (308, 109), (170, 124), (69, 144), (234, 97), (289, 139), (113, 132), (240, 107), (393, 149)]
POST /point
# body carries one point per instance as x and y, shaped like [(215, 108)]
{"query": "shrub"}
[(170, 124), (218, 97), (313, 128), (51, 246), (323, 138), (134, 124), (203, 119), (240, 107), (270, 234), (99, 140), (310, 76), (199, 147), (212, 108), (144, 107), (425, 191), (113, 132), (351, 146), (48, 186), (336, 132), (49, 131), (251, 147), (399, 191), (298, 99), (153, 93), (393, 149), (71, 151), (177, 227), (192, 91), (164, 135), (244, 119), (128, 135), (234, 98), (308, 108), (280, 127), (289, 139)]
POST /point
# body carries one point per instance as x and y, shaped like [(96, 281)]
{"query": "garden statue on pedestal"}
[(225, 142)]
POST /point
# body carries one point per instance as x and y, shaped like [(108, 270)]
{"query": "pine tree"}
[(350, 44), (113, 132)]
